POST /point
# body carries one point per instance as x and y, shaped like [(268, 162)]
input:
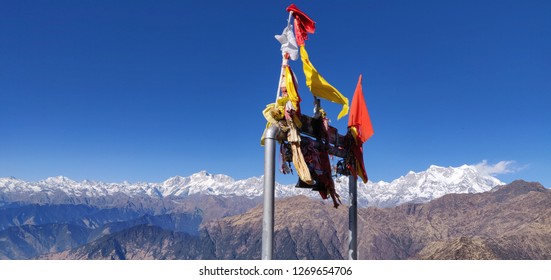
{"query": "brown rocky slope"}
[(509, 222)]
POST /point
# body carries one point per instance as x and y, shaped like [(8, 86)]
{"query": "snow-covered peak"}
[(59, 180), (202, 173), (201, 182), (427, 185), (176, 181)]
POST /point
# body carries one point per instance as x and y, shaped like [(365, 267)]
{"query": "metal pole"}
[(353, 218), (269, 192)]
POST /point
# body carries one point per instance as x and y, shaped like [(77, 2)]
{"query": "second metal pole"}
[(352, 218)]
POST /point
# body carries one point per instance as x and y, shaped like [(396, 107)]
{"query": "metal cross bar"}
[(335, 145)]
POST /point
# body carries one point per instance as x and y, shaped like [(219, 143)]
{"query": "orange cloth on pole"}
[(359, 115), (359, 125), (357, 150)]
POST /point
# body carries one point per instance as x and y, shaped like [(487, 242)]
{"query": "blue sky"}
[(146, 90)]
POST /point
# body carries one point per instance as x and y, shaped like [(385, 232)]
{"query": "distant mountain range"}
[(413, 187), (206, 216)]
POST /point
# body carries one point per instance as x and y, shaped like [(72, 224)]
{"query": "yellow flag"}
[(319, 86), (291, 90)]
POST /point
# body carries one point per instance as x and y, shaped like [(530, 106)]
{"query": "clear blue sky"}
[(146, 90)]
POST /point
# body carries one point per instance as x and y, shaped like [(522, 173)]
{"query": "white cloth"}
[(288, 42)]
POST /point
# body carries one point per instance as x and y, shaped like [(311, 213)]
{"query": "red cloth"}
[(359, 116), (303, 24), (360, 120), (357, 149)]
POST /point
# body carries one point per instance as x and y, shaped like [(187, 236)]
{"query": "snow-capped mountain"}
[(425, 186), (413, 187)]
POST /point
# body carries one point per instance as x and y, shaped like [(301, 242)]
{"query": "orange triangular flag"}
[(359, 116)]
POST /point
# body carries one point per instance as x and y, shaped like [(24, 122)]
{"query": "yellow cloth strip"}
[(319, 86), (291, 90)]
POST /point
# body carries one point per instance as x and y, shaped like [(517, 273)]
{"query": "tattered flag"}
[(303, 24), (319, 86)]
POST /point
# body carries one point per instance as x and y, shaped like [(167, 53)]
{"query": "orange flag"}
[(359, 116)]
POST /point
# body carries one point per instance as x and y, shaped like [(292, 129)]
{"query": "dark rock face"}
[(27, 241), (142, 242)]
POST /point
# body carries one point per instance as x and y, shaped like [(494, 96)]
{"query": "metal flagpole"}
[(269, 177), (353, 218), (269, 192)]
